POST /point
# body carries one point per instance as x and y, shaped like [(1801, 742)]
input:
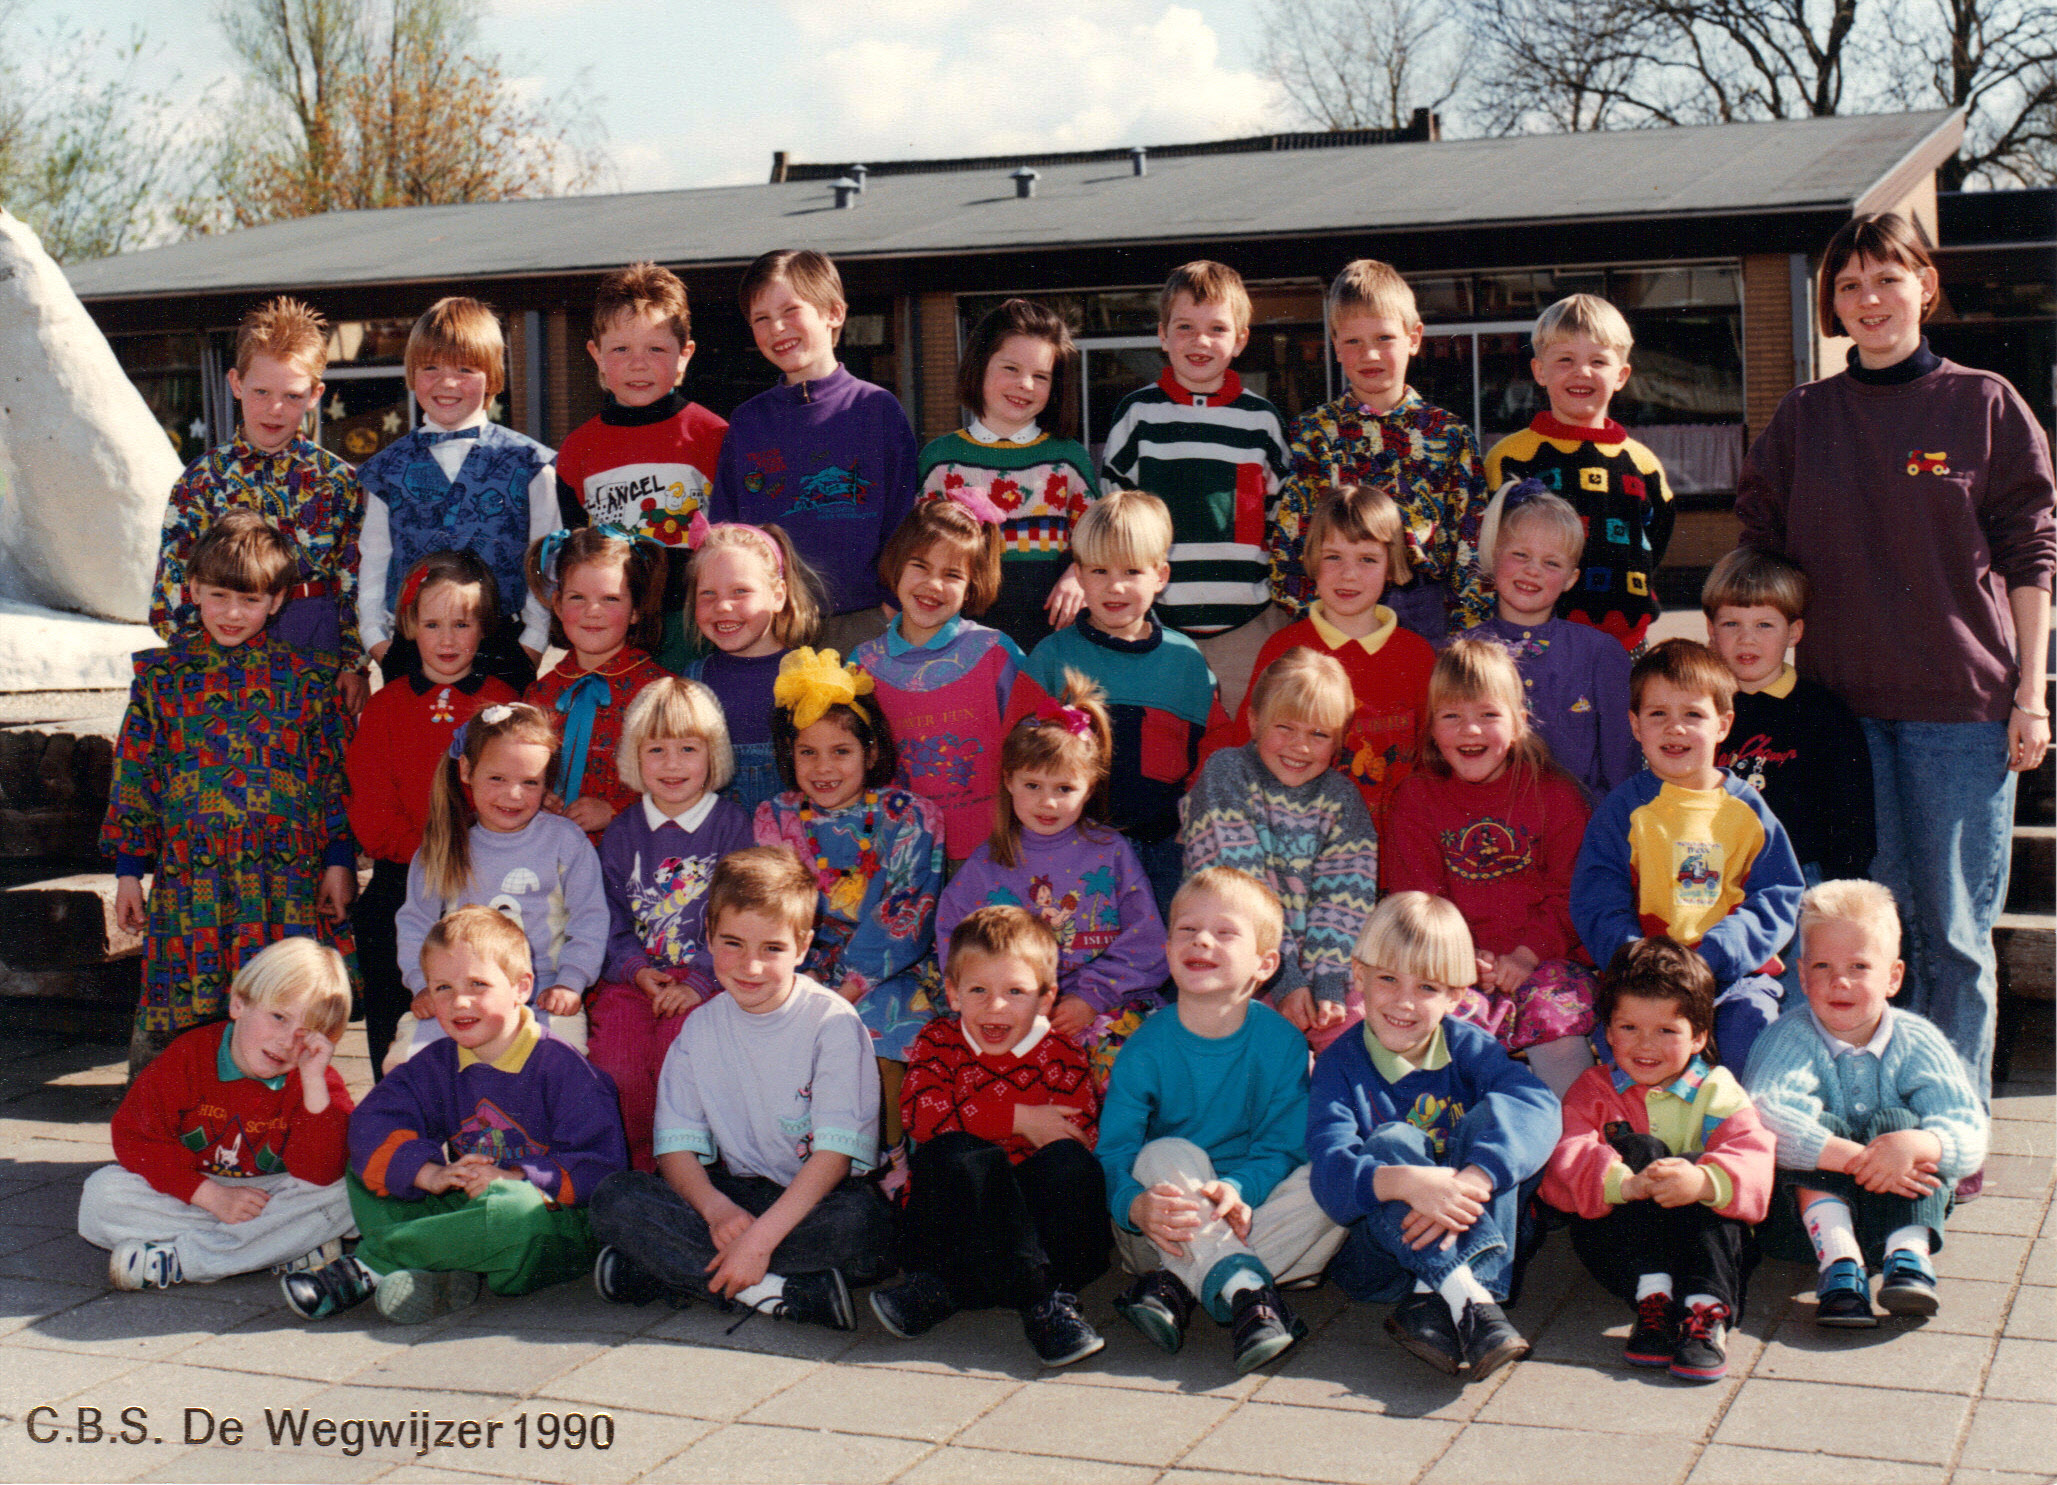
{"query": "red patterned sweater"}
[(949, 1086), (400, 741)]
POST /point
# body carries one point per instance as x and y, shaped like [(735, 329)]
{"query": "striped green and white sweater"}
[(1313, 844), (1216, 460)]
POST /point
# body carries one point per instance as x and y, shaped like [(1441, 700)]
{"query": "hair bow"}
[(457, 738), (411, 589), (492, 716), (1073, 719), (547, 557), (1520, 493), (811, 681), (977, 502)]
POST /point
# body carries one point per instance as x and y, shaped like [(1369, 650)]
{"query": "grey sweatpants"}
[(118, 1204)]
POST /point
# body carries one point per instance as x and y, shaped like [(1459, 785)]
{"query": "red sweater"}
[(404, 733), (626, 674), (1503, 855), (949, 1086), (1391, 684), (182, 1122)]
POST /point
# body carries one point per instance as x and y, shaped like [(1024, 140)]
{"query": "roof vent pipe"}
[(1024, 182), (846, 191), (1139, 160), (857, 173)]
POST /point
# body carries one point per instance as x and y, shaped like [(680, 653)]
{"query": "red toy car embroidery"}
[(1936, 463)]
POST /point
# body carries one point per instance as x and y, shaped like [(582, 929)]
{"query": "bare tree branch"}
[(1354, 64)]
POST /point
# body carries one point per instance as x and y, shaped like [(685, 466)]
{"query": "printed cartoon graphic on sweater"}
[(492, 1132), (661, 905), (227, 1155), (1086, 921), (1436, 1118)]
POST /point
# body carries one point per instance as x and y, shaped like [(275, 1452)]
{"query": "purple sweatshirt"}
[(1090, 889), (656, 872), (1576, 680), (832, 461)]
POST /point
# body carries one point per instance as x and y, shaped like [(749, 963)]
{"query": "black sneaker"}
[(1702, 1351), (914, 1306), (1159, 1306), (1490, 1340), (817, 1298), (1655, 1335), (1843, 1297), (1421, 1323), (316, 1294), (1056, 1329), (620, 1280), (1263, 1329)]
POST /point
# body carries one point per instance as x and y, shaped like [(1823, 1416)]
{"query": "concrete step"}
[(63, 923), (54, 781), (2032, 884), (2026, 944)]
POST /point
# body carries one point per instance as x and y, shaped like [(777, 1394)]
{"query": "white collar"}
[(1837, 1047), (1020, 1049), (476, 420), (692, 819), (977, 431)]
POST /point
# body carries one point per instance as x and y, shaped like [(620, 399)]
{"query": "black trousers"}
[(1703, 1252), (386, 998), (1004, 1234)]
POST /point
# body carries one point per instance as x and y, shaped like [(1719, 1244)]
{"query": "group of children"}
[(937, 957)]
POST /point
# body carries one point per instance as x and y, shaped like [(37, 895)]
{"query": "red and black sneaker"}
[(1655, 1335), (1702, 1351)]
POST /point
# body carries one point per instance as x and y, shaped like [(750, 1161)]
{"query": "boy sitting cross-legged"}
[(767, 1111), (1688, 849), (1202, 1136), (1006, 1205), (1875, 1117), (1424, 1137), (473, 1159), (231, 1145)]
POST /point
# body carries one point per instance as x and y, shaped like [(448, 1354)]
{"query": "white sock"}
[(1461, 1289), (1915, 1238), (1693, 1300), (1832, 1230), (1650, 1284), (1237, 1282), (770, 1287), (1421, 1288), (1559, 1063)]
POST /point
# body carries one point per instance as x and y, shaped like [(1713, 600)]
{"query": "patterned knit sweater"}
[(950, 1086), (1311, 843)]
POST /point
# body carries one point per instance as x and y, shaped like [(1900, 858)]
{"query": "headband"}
[(811, 681), (1073, 719), (411, 589), (492, 716), (697, 532)]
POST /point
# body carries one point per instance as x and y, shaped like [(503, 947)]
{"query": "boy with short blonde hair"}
[(1006, 1205), (1616, 485), (1214, 452), (1875, 1116), (294, 483), (830, 458), (1203, 1135), (230, 1146), (646, 461), (458, 481), (1381, 433)]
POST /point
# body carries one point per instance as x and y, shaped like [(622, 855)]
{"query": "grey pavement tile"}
[(1871, 1423), (1730, 1464), (2016, 1175), (773, 1456), (639, 1442), (883, 1402), (1593, 1326), (1371, 1377), (65, 1258), (1544, 1394), (2024, 1371), (955, 1466), (1208, 1477), (1922, 1360), (2024, 1101), (414, 1474), (65, 1459), (1545, 1456), (704, 1325), (298, 1427), (2022, 1137), (56, 1160), (25, 1303), (572, 1306), (2042, 1264), (29, 1378), (2018, 1436), (31, 1235), (976, 1343), (148, 1326), (259, 1465), (1999, 1477), (1321, 1444), (2016, 1216), (691, 1381), (279, 1343), (1122, 1427), (517, 1361), (2034, 1316), (1967, 1307), (1980, 1255), (1204, 1367), (52, 1204), (2050, 1221)]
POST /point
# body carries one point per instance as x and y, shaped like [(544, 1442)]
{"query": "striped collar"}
[(1682, 1088)]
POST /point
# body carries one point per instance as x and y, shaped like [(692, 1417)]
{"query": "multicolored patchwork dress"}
[(879, 861), (228, 784)]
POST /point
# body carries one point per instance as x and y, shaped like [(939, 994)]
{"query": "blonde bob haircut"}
[(1243, 895), (1206, 282), (1412, 933), (1583, 315), (1747, 578), (244, 553), (1863, 904), (674, 709), (1305, 686), (488, 933), (1358, 513), (1367, 286), (301, 972), (464, 331), (1536, 508), (1001, 931), (768, 880), (1476, 670), (285, 330), (1124, 528)]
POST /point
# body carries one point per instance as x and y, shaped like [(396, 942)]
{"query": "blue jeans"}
[(1377, 1266), (1945, 802)]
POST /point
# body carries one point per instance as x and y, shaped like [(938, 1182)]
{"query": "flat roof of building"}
[(1825, 165)]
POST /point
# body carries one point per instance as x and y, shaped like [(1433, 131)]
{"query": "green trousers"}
[(511, 1235)]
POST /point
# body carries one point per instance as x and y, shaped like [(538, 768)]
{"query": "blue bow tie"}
[(431, 437), (579, 703)]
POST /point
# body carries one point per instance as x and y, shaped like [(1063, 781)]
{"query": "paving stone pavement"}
[(1970, 1396)]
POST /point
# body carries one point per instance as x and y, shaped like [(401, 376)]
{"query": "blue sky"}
[(700, 92)]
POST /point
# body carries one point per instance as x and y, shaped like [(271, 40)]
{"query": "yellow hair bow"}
[(811, 681)]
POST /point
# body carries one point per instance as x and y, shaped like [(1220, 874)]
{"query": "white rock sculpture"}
[(84, 467)]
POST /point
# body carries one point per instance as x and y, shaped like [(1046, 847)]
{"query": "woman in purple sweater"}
[(1917, 495)]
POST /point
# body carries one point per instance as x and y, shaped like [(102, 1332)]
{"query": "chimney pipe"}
[(1024, 182), (846, 191), (778, 167), (857, 173), (1139, 160)]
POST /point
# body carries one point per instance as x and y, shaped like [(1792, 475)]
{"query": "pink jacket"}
[(1725, 1133)]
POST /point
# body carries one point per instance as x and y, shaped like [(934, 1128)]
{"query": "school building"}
[(1705, 237)]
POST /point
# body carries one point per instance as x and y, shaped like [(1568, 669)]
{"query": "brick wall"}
[(1767, 336), (936, 347)]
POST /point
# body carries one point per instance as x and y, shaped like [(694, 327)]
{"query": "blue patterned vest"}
[(484, 511)]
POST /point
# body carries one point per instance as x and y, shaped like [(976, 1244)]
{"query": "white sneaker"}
[(139, 1264), (321, 1257)]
